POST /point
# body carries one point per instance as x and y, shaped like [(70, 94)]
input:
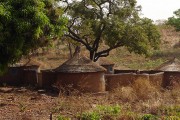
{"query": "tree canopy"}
[(175, 20), (115, 23), (26, 25)]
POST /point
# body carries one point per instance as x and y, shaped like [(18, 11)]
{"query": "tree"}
[(26, 25), (113, 22), (175, 20)]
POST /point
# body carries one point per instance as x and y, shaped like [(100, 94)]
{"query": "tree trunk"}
[(70, 50), (92, 55)]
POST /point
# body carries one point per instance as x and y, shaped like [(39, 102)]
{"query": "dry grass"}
[(138, 99)]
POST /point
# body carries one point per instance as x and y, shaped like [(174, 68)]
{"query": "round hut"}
[(171, 71), (107, 64), (171, 65), (82, 74)]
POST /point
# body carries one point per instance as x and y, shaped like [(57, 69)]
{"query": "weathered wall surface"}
[(20, 75), (12, 77), (116, 80), (86, 82), (48, 79), (30, 77), (126, 79), (156, 79), (171, 79)]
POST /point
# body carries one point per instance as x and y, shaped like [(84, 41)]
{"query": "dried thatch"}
[(171, 65), (79, 64)]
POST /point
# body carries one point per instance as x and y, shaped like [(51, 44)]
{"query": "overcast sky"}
[(158, 9)]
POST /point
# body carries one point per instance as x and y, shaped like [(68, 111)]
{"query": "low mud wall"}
[(30, 77), (156, 78), (127, 79), (12, 77), (171, 79), (84, 82), (49, 77), (118, 80)]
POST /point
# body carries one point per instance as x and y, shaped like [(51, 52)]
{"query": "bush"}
[(149, 117), (62, 118), (101, 112)]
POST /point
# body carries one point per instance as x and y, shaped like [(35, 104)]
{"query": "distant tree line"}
[(175, 20)]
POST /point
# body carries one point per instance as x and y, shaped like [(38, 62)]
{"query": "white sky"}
[(158, 9)]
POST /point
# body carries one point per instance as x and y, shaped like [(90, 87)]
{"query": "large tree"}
[(26, 25), (175, 20), (115, 23)]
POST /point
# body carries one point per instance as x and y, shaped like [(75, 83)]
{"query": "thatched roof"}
[(104, 61), (171, 65), (31, 62), (79, 64)]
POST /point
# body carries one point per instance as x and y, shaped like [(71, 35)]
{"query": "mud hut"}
[(107, 64), (171, 70), (171, 65), (82, 74)]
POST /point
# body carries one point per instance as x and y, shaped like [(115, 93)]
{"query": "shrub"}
[(62, 118), (149, 117), (101, 112), (90, 116)]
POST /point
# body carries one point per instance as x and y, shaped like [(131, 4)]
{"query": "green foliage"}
[(90, 116), (109, 110), (171, 118), (149, 117), (170, 111), (101, 112), (175, 20), (114, 23), (26, 25), (62, 118)]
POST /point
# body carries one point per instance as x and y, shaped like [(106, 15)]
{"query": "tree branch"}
[(98, 37), (105, 53), (77, 39)]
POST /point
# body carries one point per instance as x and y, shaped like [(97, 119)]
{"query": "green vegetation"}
[(149, 117), (115, 24), (62, 118), (26, 25), (118, 112), (101, 112), (175, 20)]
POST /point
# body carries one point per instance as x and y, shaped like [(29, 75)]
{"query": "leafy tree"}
[(26, 25), (115, 23), (175, 20)]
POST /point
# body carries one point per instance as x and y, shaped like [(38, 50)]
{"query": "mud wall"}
[(126, 79), (84, 82), (49, 77), (13, 76)]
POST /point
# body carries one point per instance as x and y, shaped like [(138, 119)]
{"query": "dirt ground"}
[(29, 103), (25, 104)]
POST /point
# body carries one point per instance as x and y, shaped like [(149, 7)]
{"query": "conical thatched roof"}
[(171, 65), (79, 64), (104, 61)]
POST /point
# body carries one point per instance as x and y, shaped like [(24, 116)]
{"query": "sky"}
[(158, 9)]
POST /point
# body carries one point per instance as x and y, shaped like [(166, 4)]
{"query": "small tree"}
[(113, 22), (175, 20), (26, 25)]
